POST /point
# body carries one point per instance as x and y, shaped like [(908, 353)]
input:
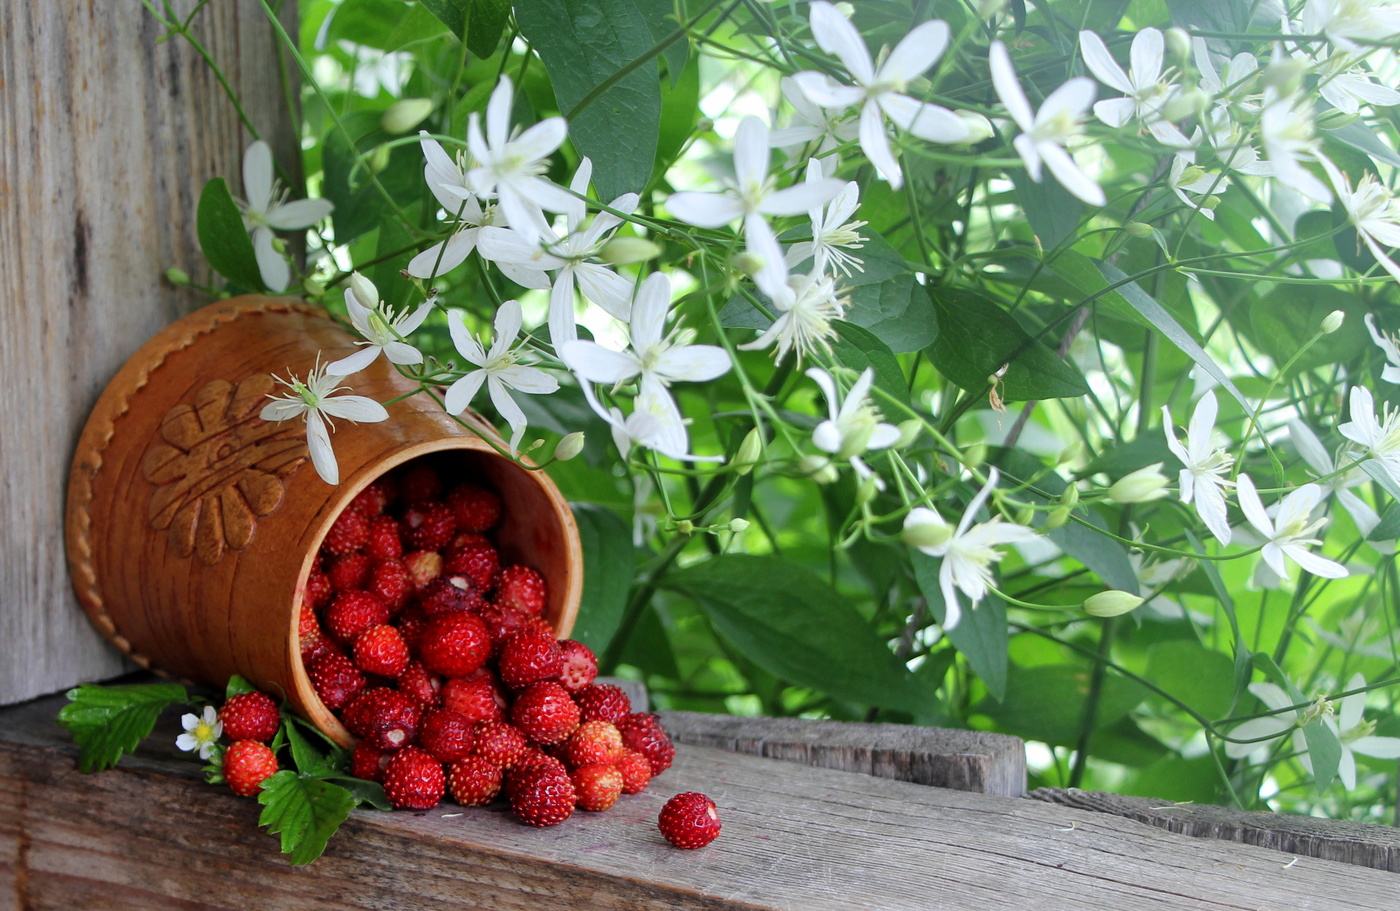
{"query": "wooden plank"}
[(106, 137), (1343, 840), (964, 760), (795, 837)]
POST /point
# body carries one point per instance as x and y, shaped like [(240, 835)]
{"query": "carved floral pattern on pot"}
[(219, 468)]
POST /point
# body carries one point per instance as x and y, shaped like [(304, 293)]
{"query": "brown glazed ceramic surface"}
[(192, 523)]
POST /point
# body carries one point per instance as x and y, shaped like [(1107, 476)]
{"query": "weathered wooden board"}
[(149, 835), (964, 760), (106, 137), (1342, 840)]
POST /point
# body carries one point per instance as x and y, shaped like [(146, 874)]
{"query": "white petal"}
[(1353, 706), (1271, 727), (460, 394), (507, 409), (1115, 111), (1377, 747), (1101, 63), (563, 322), (1210, 505), (1008, 89), (530, 380), (1145, 56), (465, 343), (1346, 768), (606, 288), (354, 363), (540, 140), (1074, 97), (926, 121), (762, 244), (525, 277), (876, 145), (1202, 428), (299, 213), (706, 210), (596, 364), (649, 312), (836, 35), (358, 408), (414, 320), (693, 363), (1316, 564), (318, 444), (827, 437), (498, 113), (1252, 507), (454, 251), (1068, 173), (271, 265), (916, 52), (282, 409), (507, 326), (751, 152), (802, 197), (257, 176), (1030, 154), (826, 92), (402, 353)]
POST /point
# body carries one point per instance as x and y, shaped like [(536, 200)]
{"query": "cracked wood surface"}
[(150, 834)]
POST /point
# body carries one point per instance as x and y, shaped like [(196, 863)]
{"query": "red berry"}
[(593, 742), (374, 499), (428, 526), (247, 764), (636, 771), (360, 711), (423, 567), (349, 572), (689, 820), (421, 686), (414, 780), (446, 734), (418, 483), (477, 695), (368, 761), (318, 589), (529, 657), (499, 743), (596, 786), (381, 650), (602, 702), (389, 580), (315, 645), (643, 732), (474, 781), (478, 562), (545, 713), (476, 509), (454, 645), (579, 667), (384, 542), (353, 612), (335, 679), (521, 588), (535, 758), (250, 716), (348, 533), (448, 595), (541, 797)]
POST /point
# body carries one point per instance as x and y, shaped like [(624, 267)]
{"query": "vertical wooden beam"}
[(107, 135)]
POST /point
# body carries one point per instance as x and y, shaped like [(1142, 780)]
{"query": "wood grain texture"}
[(963, 760), (106, 137), (1359, 843), (798, 838)]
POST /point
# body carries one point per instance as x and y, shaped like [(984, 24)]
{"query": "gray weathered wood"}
[(1359, 843), (151, 835), (964, 760), (106, 138)]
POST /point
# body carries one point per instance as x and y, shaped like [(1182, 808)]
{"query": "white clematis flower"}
[(511, 167), (1286, 127), (1185, 176), (1371, 211), (812, 123), (1389, 347), (202, 732), (854, 427), (1205, 466), (968, 551), (447, 180), (267, 209), (1343, 20), (880, 92), (655, 423), (832, 234), (1379, 439), (1046, 132), (1290, 533), (498, 368), (382, 331), (807, 306), (316, 402), (1338, 485), (1145, 87)]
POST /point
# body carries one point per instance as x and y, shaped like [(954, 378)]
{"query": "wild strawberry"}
[(428, 526), (636, 771), (478, 562), (358, 711), (247, 764), (535, 759), (689, 820), (414, 780), (381, 650), (522, 588), (470, 539), (596, 786), (579, 667), (642, 731), (384, 542), (250, 716), (541, 797), (348, 573), (315, 645), (348, 533), (318, 589), (418, 684), (545, 713), (602, 702), (476, 509), (593, 742), (368, 761), (477, 695), (353, 612), (446, 734), (499, 743), (449, 594), (504, 623), (335, 679), (411, 624), (389, 721), (529, 657), (374, 499), (419, 482), (454, 645), (423, 567), (389, 580), (474, 781)]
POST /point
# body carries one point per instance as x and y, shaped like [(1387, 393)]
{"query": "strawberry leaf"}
[(108, 722), (237, 686), (305, 811)]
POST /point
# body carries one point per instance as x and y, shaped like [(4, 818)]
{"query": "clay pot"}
[(192, 524)]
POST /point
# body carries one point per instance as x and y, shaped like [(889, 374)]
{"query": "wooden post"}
[(107, 135)]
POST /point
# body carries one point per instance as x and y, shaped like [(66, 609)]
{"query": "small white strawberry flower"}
[(1205, 466), (267, 209), (499, 369), (382, 331), (202, 732), (1343, 20), (1289, 534), (316, 402)]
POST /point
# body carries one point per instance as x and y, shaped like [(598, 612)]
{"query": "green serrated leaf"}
[(608, 556), (305, 811), (308, 759), (238, 686), (108, 722), (982, 634), (223, 238)]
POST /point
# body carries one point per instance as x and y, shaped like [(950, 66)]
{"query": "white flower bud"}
[(818, 468), (569, 446), (405, 114), (628, 251), (1178, 42), (1332, 322), (738, 524), (1141, 486), (925, 529), (365, 291), (750, 451), (1111, 603), (978, 127)]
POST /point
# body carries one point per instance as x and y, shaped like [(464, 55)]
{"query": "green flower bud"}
[(1070, 497), (1026, 516), (1071, 453), (748, 263), (405, 114), (628, 251), (908, 432), (313, 288), (1332, 322), (569, 446), (1210, 202), (1191, 174), (1141, 486), (177, 276), (1057, 517), (379, 158), (1138, 229), (819, 468), (866, 490), (974, 455), (750, 451), (685, 527), (926, 530), (1111, 603), (738, 524), (1178, 42), (1333, 119)]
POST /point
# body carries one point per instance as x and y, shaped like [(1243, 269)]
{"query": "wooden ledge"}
[(149, 834)]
